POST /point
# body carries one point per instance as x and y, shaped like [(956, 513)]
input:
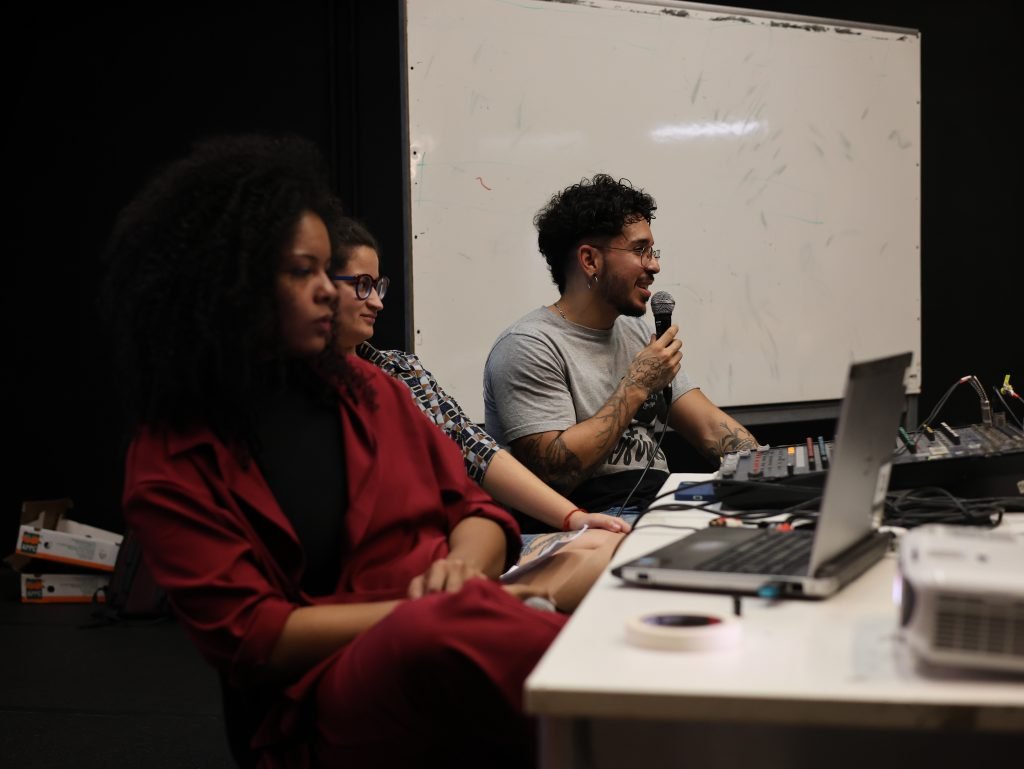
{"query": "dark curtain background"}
[(100, 96)]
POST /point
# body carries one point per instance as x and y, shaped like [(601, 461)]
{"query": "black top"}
[(610, 490), (302, 456)]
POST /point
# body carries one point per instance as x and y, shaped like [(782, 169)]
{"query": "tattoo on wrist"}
[(538, 542), (644, 373), (727, 439)]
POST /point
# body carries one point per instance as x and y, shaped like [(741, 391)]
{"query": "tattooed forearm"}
[(549, 456), (725, 439), (537, 544), (613, 420), (555, 463)]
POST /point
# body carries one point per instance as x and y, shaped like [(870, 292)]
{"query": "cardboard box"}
[(47, 534), (63, 588), (70, 542)]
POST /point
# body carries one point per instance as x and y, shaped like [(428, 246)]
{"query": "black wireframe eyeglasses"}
[(365, 284), (647, 254)]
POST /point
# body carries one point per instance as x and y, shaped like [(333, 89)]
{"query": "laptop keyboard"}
[(772, 552)]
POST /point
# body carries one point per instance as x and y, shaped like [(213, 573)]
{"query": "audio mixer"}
[(973, 461)]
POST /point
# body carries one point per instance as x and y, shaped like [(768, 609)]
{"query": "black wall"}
[(100, 97)]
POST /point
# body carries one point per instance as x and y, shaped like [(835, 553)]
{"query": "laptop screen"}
[(862, 458)]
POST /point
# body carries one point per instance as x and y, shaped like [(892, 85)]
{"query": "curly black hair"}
[(595, 209), (189, 295)]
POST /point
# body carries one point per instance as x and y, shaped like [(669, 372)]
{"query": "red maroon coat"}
[(217, 541)]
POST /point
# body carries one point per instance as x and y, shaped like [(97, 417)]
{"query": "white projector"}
[(962, 596)]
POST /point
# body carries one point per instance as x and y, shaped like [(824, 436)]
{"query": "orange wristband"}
[(565, 521)]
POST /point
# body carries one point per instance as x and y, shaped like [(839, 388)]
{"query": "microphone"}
[(662, 305)]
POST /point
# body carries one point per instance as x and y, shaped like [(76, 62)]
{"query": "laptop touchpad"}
[(693, 550)]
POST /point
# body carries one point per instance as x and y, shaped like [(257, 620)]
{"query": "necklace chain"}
[(560, 311)]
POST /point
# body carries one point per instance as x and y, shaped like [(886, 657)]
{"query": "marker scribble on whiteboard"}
[(897, 137), (480, 179)]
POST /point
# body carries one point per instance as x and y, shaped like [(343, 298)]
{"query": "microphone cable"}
[(643, 474)]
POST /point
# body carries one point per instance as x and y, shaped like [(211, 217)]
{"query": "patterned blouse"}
[(478, 448)]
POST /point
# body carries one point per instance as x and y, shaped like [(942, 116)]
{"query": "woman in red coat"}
[(353, 615)]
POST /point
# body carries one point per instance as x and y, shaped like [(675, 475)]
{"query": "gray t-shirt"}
[(546, 373)]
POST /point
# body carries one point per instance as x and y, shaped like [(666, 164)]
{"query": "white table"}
[(819, 664)]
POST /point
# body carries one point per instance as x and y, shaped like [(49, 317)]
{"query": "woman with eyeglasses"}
[(318, 539), (361, 292)]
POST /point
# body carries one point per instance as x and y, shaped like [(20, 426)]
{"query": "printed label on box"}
[(63, 588)]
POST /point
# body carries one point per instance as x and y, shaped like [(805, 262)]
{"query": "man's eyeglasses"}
[(365, 284), (647, 254)]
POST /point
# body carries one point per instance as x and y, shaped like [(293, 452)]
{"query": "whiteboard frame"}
[(769, 411)]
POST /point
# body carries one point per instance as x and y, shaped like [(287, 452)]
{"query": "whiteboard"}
[(784, 156)]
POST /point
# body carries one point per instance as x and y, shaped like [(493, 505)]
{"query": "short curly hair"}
[(597, 208), (189, 295)]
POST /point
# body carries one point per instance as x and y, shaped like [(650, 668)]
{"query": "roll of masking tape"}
[(683, 632)]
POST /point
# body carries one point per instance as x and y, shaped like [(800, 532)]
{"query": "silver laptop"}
[(845, 542)]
